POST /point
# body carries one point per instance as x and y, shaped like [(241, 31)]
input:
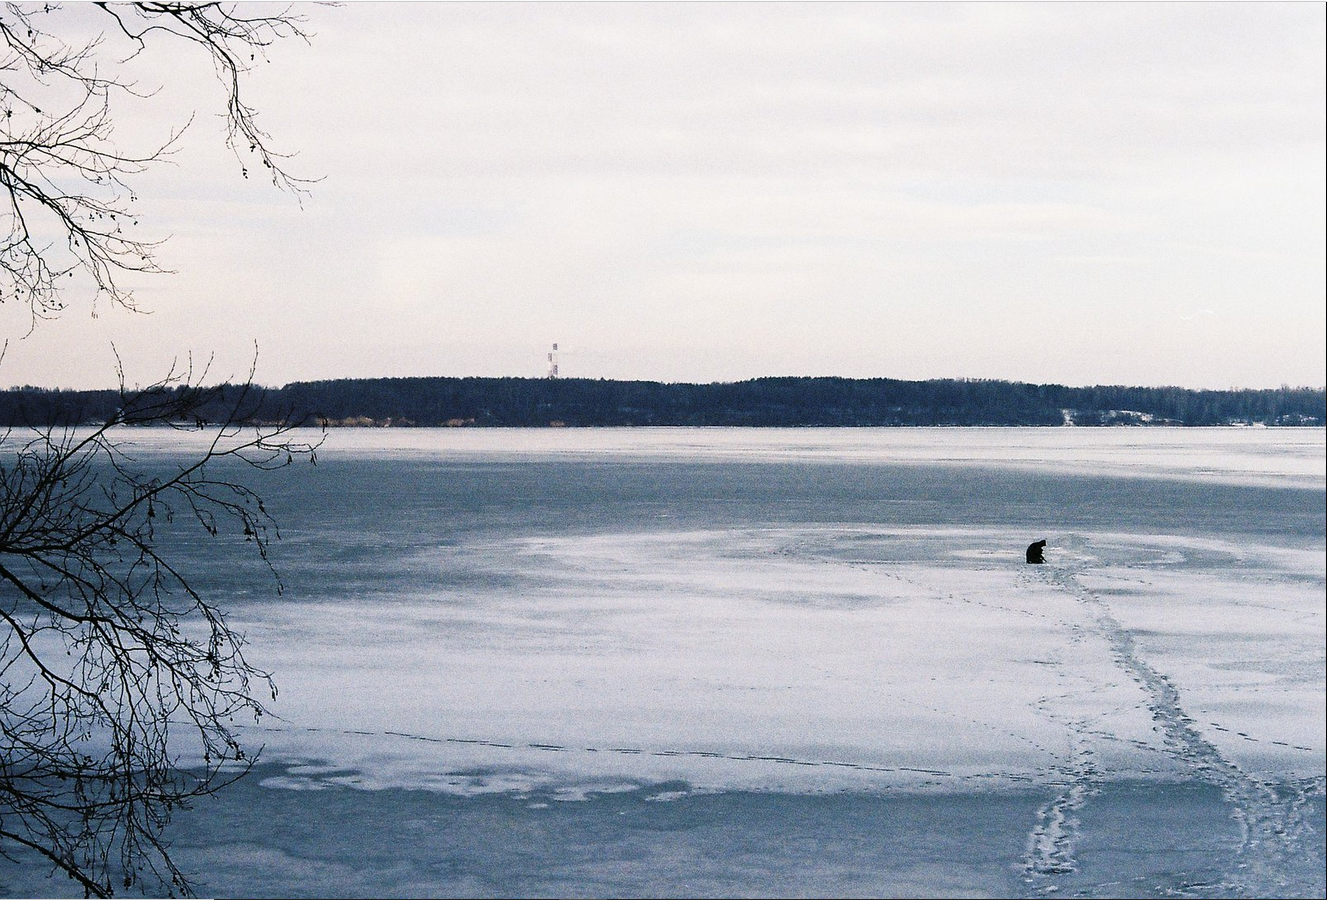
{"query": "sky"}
[(1076, 193)]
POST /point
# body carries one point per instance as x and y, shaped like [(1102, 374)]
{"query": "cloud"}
[(731, 189)]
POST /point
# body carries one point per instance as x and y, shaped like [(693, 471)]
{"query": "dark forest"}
[(785, 401)]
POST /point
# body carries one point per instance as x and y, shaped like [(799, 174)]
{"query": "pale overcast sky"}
[(1082, 193)]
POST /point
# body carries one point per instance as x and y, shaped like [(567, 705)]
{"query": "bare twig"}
[(113, 668), (68, 213)]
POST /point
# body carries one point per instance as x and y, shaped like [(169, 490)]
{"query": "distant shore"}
[(765, 402)]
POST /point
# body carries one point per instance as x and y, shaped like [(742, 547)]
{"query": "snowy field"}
[(804, 662)]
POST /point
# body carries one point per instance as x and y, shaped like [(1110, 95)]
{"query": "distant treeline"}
[(787, 401)]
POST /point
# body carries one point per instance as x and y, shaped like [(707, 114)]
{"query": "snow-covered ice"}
[(718, 662)]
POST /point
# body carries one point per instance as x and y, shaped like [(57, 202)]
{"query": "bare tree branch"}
[(118, 679), (69, 208)]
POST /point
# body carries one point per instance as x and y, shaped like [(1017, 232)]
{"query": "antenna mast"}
[(553, 362)]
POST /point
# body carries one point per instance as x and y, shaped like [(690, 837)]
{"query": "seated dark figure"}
[(1034, 552)]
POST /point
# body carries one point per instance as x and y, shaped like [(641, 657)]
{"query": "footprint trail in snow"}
[(1272, 827)]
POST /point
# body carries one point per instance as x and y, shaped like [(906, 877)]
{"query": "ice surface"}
[(731, 660), (712, 662), (1279, 456)]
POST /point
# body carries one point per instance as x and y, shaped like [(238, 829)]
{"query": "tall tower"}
[(553, 362)]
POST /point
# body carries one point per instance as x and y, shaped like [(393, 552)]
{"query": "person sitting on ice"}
[(1035, 552)]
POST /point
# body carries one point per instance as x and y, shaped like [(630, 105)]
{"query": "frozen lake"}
[(787, 662)]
